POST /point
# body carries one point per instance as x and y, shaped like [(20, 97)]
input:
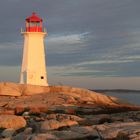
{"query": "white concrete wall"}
[(33, 63)]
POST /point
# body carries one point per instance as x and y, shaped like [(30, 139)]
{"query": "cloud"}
[(72, 71), (11, 54), (85, 38), (99, 62), (67, 39), (66, 43), (132, 57), (9, 73)]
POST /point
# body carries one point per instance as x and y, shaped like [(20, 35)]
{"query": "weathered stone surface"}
[(28, 130), (31, 108), (22, 136), (54, 124), (71, 135), (69, 95), (7, 111), (38, 109), (83, 129), (32, 89), (6, 139), (45, 136), (64, 116), (83, 114), (20, 109), (119, 129), (8, 132), (25, 114), (12, 121), (10, 89)]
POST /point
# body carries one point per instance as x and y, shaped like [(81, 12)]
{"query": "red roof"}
[(34, 18)]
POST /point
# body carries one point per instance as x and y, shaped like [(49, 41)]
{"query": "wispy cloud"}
[(104, 62), (68, 39), (132, 57), (66, 43), (70, 68)]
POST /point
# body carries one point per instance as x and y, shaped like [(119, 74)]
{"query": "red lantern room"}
[(34, 23)]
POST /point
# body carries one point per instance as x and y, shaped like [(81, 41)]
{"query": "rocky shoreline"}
[(64, 113)]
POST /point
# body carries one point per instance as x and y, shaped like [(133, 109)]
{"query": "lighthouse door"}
[(24, 77)]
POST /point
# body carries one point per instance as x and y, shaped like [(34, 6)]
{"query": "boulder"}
[(28, 130), (54, 124), (31, 108), (8, 132), (59, 116), (12, 121), (22, 136), (20, 109), (45, 136), (83, 129), (10, 89), (124, 130), (71, 135), (5, 139), (4, 111)]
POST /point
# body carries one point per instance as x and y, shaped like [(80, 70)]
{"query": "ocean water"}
[(131, 97)]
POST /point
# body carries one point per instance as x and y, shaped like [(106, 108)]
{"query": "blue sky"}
[(91, 43)]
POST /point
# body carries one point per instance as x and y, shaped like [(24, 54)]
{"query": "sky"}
[(91, 44)]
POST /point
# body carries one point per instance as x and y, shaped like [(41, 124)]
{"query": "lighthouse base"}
[(33, 78)]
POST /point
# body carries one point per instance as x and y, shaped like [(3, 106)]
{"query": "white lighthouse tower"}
[(33, 69)]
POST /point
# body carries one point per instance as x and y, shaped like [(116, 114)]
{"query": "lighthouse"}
[(33, 70)]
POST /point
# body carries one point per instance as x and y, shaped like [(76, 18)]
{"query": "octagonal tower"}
[(33, 70)]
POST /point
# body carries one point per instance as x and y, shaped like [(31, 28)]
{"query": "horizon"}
[(90, 44)]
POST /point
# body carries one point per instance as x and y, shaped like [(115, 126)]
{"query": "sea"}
[(129, 96)]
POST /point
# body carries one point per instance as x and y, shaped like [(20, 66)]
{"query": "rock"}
[(25, 114), (63, 109), (54, 124), (8, 132), (119, 129), (83, 129), (31, 108), (5, 139), (67, 122), (69, 95), (22, 136), (66, 135), (70, 135), (7, 111), (46, 136), (10, 89), (123, 136), (34, 125), (20, 109), (95, 119), (28, 130), (50, 110), (38, 109), (58, 116), (12, 121), (38, 119), (33, 89), (133, 136), (104, 119)]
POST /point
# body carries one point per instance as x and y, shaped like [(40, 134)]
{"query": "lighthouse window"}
[(42, 77), (38, 24)]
